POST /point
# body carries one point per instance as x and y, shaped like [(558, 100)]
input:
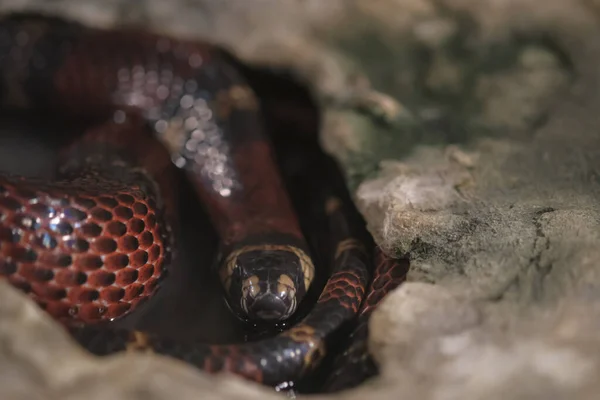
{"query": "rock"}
[(436, 343), (415, 311), (468, 131)]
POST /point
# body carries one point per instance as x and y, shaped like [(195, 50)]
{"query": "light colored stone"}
[(416, 311), (440, 346)]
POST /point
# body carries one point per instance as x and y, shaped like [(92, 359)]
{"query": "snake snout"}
[(271, 306)]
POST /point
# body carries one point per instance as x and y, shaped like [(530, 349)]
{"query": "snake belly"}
[(95, 243)]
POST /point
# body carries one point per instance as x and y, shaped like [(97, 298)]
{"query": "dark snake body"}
[(354, 364), (95, 243)]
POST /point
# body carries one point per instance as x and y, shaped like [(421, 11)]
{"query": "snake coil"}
[(91, 245)]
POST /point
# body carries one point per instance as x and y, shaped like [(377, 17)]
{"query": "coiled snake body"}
[(90, 246)]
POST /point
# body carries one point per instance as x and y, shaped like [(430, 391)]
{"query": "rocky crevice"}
[(470, 133)]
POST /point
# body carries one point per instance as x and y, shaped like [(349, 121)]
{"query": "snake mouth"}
[(267, 302), (270, 307)]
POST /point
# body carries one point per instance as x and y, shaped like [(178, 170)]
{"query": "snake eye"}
[(286, 292), (285, 287), (250, 287)]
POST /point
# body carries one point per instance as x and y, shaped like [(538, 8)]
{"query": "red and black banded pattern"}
[(94, 243), (285, 357), (202, 111)]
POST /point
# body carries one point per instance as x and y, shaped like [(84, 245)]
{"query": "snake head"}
[(266, 283)]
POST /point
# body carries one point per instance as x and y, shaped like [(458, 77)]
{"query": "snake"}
[(354, 364), (96, 242)]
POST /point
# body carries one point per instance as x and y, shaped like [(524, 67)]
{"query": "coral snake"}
[(95, 242)]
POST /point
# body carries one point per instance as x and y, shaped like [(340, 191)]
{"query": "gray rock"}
[(441, 345)]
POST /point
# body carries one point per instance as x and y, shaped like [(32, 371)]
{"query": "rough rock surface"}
[(469, 132)]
